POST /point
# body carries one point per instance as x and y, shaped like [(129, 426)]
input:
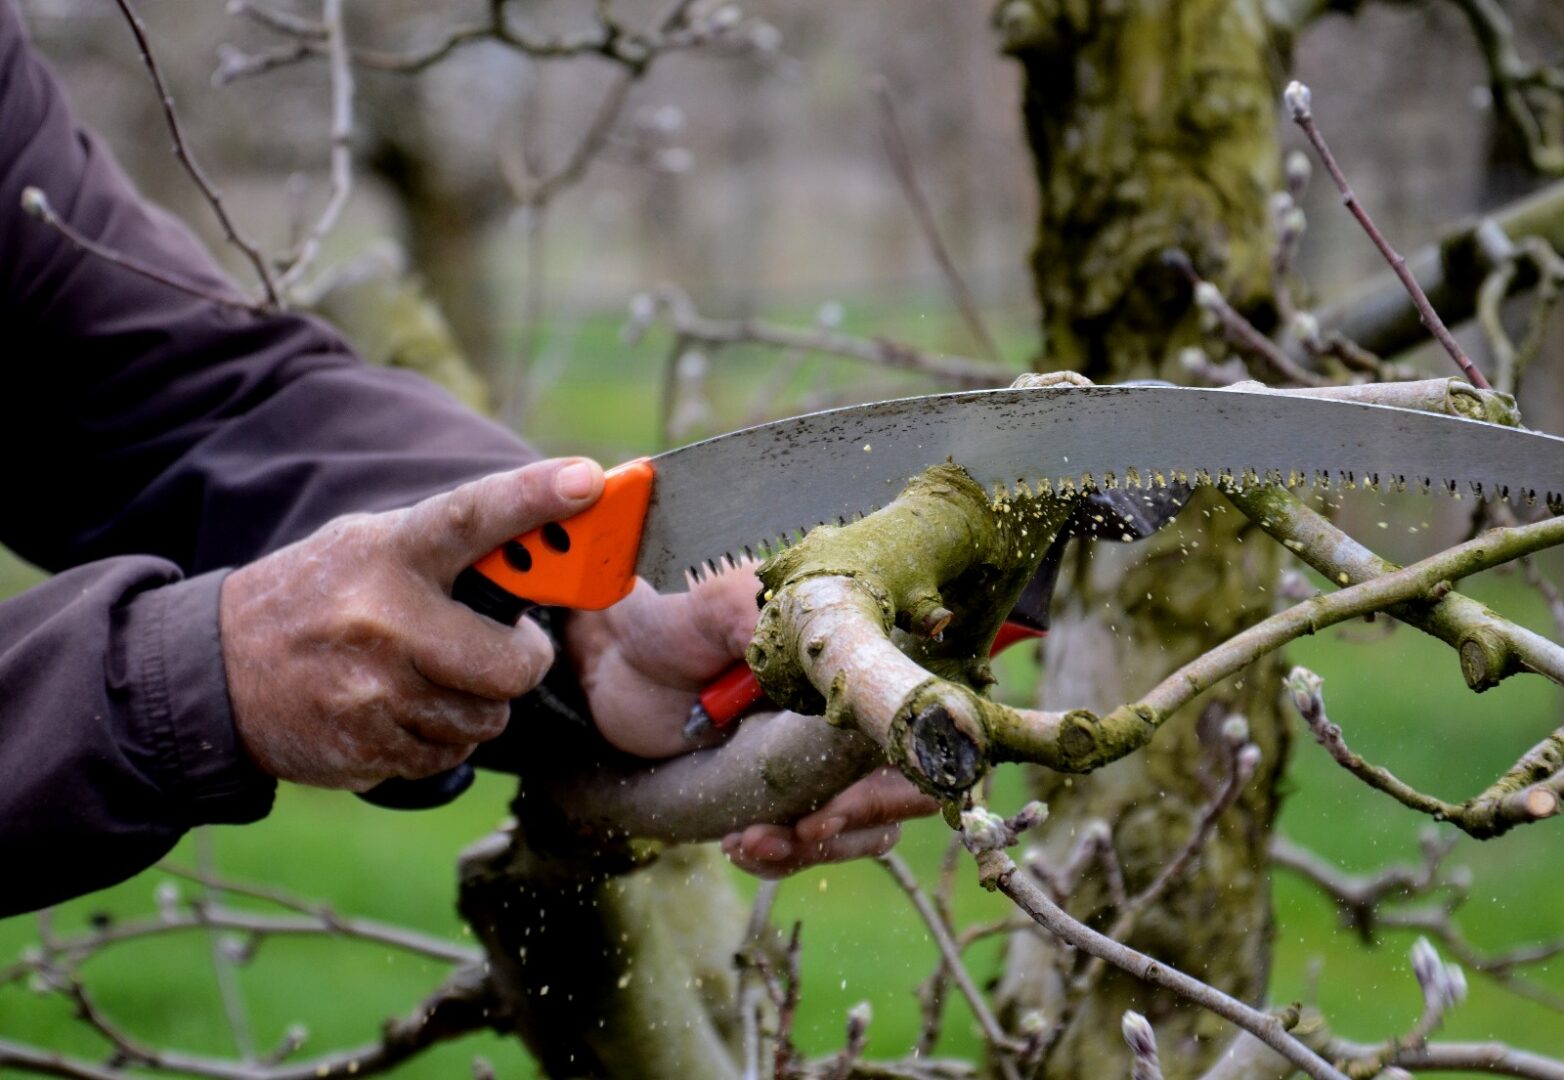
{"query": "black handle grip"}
[(426, 793)]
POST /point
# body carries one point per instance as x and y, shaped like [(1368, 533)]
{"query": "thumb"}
[(446, 533)]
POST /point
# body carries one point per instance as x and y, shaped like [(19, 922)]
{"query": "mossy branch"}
[(839, 633)]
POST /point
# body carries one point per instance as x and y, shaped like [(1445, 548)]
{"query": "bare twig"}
[(341, 69), (1369, 903), (993, 1034), (751, 988), (182, 152), (1243, 757), (1506, 803), (223, 966), (1298, 103), (37, 205), (999, 872), (609, 39), (1490, 648), (688, 324), (1238, 330), (463, 1005), (907, 177)]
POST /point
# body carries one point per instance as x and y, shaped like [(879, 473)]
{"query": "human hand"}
[(642, 662), (864, 819), (347, 660)]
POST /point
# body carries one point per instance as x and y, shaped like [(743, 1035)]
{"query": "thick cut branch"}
[(825, 637)]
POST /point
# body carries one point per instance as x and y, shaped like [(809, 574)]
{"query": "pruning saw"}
[(690, 512)]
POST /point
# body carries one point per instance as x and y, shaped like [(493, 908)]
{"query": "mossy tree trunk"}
[(1153, 125)]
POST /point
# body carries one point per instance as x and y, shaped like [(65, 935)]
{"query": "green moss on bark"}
[(1153, 125)]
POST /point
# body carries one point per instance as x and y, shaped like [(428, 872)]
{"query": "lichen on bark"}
[(1153, 125)]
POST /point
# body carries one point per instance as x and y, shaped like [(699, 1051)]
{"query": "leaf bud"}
[(1298, 99)]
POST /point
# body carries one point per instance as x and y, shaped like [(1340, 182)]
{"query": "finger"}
[(458, 649), (406, 756), (768, 851), (453, 720), (882, 797), (445, 534), (723, 609)]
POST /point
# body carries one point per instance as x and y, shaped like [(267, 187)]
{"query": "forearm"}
[(115, 731)]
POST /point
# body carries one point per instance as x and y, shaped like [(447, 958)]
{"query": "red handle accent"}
[(734, 692), (587, 561)]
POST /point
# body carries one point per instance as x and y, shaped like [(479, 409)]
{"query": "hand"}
[(865, 819), (347, 660), (642, 662)]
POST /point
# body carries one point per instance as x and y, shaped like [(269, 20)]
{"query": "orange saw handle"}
[(585, 562)]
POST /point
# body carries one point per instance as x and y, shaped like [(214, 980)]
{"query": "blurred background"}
[(757, 180)]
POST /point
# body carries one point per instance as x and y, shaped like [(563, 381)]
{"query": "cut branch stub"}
[(944, 563)]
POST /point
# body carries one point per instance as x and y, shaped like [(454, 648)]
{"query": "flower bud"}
[(1298, 99)]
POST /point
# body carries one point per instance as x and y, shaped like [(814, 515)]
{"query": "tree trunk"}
[(1153, 126)]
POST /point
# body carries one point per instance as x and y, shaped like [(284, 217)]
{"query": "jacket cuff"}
[(181, 705)]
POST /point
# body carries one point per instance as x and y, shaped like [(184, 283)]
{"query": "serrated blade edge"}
[(745, 491)]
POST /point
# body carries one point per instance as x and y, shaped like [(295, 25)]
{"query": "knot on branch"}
[(1087, 741)]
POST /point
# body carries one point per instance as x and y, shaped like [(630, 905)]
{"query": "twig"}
[(36, 204), (182, 152), (74, 951), (1243, 758), (223, 967), (1506, 803), (1298, 103), (751, 991), (999, 871), (1490, 647), (610, 40), (689, 324), (1495, 1058), (907, 177), (460, 1007), (1362, 901), (1379, 315), (1238, 330), (993, 1033), (341, 146)]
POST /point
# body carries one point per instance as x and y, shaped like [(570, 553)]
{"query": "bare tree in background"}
[(1165, 244)]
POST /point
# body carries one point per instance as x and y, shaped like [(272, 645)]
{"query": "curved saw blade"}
[(754, 490)]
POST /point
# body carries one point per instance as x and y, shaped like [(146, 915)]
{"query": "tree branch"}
[(999, 871), (689, 325), (1298, 104), (182, 152)]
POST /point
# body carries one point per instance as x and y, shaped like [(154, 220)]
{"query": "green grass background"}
[(1399, 698)]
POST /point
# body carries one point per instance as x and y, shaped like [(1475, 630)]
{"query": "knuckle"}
[(489, 719), (460, 514)]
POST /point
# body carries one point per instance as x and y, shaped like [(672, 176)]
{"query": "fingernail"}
[(576, 480)]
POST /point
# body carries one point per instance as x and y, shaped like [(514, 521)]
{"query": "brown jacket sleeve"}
[(152, 439)]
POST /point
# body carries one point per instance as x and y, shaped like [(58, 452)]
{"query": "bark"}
[(1152, 123)]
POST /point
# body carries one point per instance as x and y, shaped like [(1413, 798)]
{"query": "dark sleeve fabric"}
[(152, 438)]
